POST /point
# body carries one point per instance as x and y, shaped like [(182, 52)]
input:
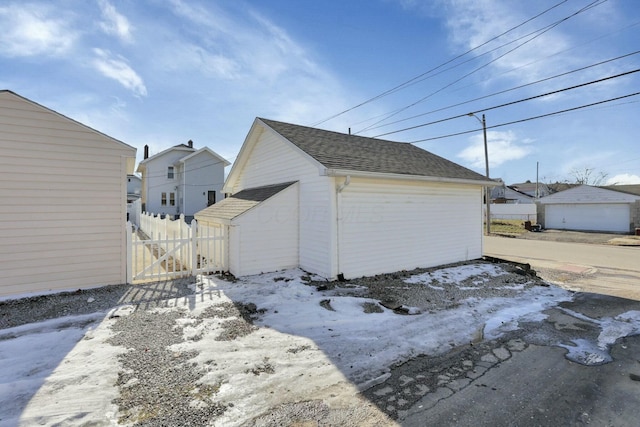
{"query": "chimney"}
[(146, 151), (190, 143)]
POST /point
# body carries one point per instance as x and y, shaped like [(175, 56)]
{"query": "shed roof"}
[(239, 203), (341, 151)]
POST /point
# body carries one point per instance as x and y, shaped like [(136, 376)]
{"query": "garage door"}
[(588, 217)]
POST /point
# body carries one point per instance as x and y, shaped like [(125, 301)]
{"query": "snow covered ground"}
[(64, 371)]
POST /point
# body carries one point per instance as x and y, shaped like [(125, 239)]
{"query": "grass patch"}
[(511, 227)]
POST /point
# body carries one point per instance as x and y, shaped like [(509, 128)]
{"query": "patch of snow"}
[(55, 371)]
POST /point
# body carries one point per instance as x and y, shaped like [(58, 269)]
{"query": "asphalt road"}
[(610, 270), (531, 381)]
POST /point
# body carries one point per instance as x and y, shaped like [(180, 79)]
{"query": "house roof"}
[(625, 188), (586, 194), (204, 150), (241, 202), (351, 153), (189, 153)]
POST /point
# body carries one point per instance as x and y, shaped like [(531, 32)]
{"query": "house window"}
[(170, 172), (163, 200), (172, 199)]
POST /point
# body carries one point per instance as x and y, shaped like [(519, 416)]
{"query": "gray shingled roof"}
[(241, 202), (337, 150)]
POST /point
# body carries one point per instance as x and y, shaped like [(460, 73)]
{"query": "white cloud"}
[(34, 30), (117, 68), (502, 147), (623, 179), (278, 76), (474, 22), (114, 23)]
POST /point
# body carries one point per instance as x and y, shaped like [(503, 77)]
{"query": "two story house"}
[(181, 179)]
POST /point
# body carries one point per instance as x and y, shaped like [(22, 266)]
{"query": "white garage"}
[(359, 206), (590, 209)]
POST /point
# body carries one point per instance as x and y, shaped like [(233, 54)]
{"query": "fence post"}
[(129, 252), (194, 247)]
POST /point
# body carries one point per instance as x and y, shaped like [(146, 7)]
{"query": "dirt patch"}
[(577, 237)]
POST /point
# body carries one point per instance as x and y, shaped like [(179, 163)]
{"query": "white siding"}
[(63, 209), (274, 161), (387, 226), (156, 182), (202, 173), (266, 237)]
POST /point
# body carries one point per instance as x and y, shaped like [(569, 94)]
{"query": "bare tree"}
[(589, 176)]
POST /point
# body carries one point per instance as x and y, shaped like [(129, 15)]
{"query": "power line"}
[(514, 102), (506, 90), (540, 33), (527, 119), (418, 78)]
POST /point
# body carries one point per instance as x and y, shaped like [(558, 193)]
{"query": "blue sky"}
[(161, 72)]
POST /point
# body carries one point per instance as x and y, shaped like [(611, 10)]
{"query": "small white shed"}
[(63, 188), (360, 206), (589, 208)]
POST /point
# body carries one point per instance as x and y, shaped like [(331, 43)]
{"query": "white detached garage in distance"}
[(334, 204), (590, 208), (63, 188)]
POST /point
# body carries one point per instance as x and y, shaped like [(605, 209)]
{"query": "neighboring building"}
[(63, 187), (590, 209), (342, 205), (530, 188), (181, 180), (508, 194), (134, 187)]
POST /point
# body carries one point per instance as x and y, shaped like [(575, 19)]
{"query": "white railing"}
[(169, 249), (153, 225)]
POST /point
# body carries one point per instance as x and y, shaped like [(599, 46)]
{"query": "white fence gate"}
[(162, 249)]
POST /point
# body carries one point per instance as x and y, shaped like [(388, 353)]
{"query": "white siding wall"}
[(156, 182), (203, 173), (387, 226), (274, 161), (63, 209), (266, 237)]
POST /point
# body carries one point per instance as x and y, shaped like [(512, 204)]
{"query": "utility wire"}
[(506, 90), (513, 102), (545, 30), (418, 78), (527, 119)]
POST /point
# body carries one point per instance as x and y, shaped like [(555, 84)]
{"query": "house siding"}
[(63, 210), (266, 237), (389, 226), (274, 161), (156, 182), (201, 174)]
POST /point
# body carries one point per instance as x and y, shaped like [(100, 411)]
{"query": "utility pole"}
[(487, 190)]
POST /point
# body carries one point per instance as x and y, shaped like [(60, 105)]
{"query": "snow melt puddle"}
[(592, 353)]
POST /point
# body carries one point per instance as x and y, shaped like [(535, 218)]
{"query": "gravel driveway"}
[(158, 384)]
